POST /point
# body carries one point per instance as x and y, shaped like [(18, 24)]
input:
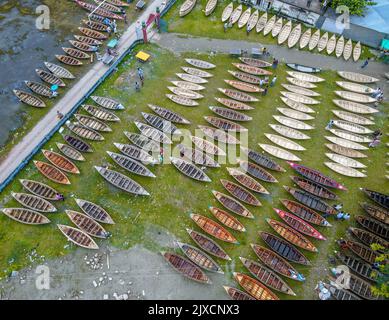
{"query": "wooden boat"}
[(357, 77), (160, 123), (252, 22), (190, 170), (348, 50), (88, 40), (98, 26), (252, 70), (375, 212), (227, 219), (213, 228), (185, 93), (300, 90), (244, 18), (93, 33), (219, 135), (84, 132), (210, 7), (182, 101), (232, 204), (305, 213), (25, 216), (29, 99), (225, 125), (94, 211), (108, 6), (314, 40), (352, 117), (339, 47), (83, 46), (254, 287), (361, 251), (60, 162), (197, 72), (310, 201), (341, 294), (78, 144), (368, 238), (78, 237), (142, 142), (275, 262), (303, 69), (269, 25), (246, 77), (39, 88), (152, 133), (346, 143), (51, 172), (262, 160), (261, 22), (294, 36), (247, 181), (279, 152), (314, 188), (359, 267), (200, 258), (75, 53), (256, 171), (50, 78), (346, 161), (289, 132), (40, 189), (131, 165), (293, 123), (59, 71), (352, 127), (33, 202), (243, 86), (291, 235), (207, 146), (208, 245), (299, 97), (299, 224), (87, 224), (254, 62), (187, 85), (168, 114), (322, 44), (344, 170), (355, 87), (380, 198), (316, 176), (362, 288), (294, 114), (350, 136), (357, 51), (99, 10), (92, 123), (305, 76), (121, 181), (227, 11), (356, 97), (305, 38), (70, 152), (135, 152), (107, 103), (68, 60), (233, 104), (197, 157), (187, 7), (238, 95), (240, 193), (373, 225), (331, 44), (117, 3), (100, 113), (277, 27), (285, 32), (235, 15), (236, 294), (230, 114), (283, 248)]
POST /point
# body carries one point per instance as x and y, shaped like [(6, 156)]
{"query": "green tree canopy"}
[(356, 7)]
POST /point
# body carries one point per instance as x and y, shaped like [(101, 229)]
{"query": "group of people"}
[(111, 25), (265, 82), (341, 215)]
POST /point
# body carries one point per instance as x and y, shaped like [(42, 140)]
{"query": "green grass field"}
[(173, 195)]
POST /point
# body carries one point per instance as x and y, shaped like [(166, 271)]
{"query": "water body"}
[(23, 48)]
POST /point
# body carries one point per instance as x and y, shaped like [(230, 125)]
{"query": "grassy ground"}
[(213, 27), (174, 196)]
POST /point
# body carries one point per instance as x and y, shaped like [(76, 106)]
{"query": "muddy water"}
[(23, 48)]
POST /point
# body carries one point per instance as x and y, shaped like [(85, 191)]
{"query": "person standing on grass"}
[(273, 81), (275, 63), (264, 93), (261, 82), (329, 124), (137, 87), (225, 26), (365, 63)]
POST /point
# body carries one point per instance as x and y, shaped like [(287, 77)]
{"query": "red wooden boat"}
[(314, 188), (254, 287), (237, 294)]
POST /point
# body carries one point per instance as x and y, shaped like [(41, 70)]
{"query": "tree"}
[(356, 7), (382, 277)]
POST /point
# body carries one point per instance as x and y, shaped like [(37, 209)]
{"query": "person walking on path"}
[(59, 115), (365, 63), (275, 63), (273, 81)]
